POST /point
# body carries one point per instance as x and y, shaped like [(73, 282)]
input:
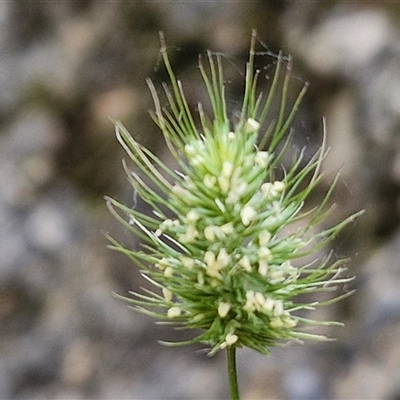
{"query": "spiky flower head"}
[(224, 243)]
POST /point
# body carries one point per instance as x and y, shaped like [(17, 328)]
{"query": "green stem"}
[(232, 374)]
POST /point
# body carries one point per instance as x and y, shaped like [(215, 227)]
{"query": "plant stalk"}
[(232, 374)]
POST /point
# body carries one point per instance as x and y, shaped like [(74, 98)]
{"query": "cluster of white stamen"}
[(251, 126), (211, 233), (230, 339), (245, 263), (194, 150), (180, 192), (224, 180), (264, 253), (190, 235), (279, 273), (187, 262), (198, 160), (256, 301), (166, 225), (283, 321), (190, 150), (227, 169), (261, 159), (264, 257), (223, 309), (209, 181), (248, 214), (227, 229), (216, 263), (174, 312), (197, 317), (264, 237), (272, 190), (192, 216), (263, 267), (224, 183), (162, 264), (238, 188), (167, 294)]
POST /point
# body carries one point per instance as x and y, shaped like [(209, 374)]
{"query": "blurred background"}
[(65, 68)]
